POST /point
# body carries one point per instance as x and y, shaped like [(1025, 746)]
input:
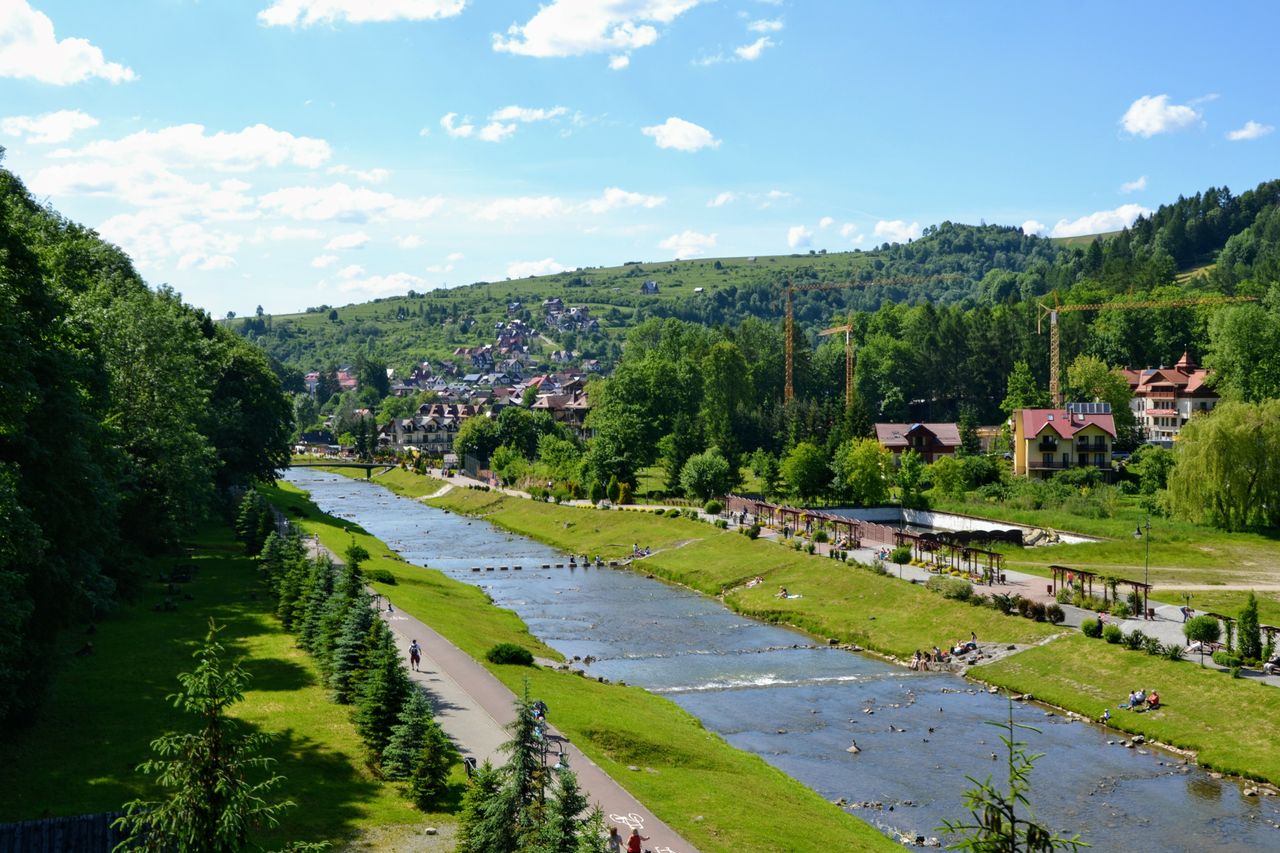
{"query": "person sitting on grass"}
[(1153, 700), (1272, 666), (782, 592)]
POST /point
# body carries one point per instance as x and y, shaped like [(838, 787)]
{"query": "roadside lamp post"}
[(1143, 531)]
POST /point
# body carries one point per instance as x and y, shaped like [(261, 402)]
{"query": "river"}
[(771, 691)]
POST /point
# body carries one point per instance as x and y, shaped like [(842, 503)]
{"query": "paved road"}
[(474, 708)]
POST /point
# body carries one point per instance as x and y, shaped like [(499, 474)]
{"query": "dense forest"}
[(129, 417)]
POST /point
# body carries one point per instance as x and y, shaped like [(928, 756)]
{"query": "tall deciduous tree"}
[(706, 475), (862, 468), (806, 471), (1227, 471)]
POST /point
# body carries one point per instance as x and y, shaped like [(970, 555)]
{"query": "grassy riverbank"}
[(1074, 673), (1231, 724), (104, 709), (708, 791)]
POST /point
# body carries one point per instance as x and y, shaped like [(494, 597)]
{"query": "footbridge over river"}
[(369, 467)]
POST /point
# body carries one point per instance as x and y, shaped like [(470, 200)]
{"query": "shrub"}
[(1227, 659), (954, 588), (753, 532), (1112, 634), (810, 547), (1024, 606), (380, 576), (510, 653), (722, 524), (1171, 651), (1152, 646), (1055, 614), (1036, 611), (1235, 672), (1134, 640), (1091, 628), (820, 536), (674, 512), (713, 507), (1120, 610), (1004, 602), (1065, 595)]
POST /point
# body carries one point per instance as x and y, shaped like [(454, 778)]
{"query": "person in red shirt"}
[(633, 843)]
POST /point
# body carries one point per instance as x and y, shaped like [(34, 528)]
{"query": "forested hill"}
[(127, 418), (1230, 239)]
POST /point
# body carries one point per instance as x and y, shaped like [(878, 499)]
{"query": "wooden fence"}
[(90, 833)]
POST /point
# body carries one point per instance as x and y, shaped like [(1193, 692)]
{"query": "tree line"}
[(129, 417)]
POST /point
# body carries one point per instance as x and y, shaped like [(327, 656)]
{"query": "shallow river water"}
[(768, 690)]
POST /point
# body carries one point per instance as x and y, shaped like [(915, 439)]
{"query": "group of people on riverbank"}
[(920, 661), (1139, 700)]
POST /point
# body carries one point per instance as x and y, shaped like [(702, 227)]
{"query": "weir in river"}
[(799, 705)]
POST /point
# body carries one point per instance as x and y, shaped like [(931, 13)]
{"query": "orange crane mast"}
[(1052, 310)]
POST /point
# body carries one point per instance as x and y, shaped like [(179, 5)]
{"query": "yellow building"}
[(1046, 441)]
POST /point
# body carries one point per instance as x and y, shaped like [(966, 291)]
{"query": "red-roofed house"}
[(1046, 441), (1165, 398), (932, 441)]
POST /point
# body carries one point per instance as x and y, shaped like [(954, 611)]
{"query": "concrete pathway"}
[(474, 708)]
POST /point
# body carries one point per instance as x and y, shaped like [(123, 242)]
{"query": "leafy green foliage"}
[(510, 653), (705, 475), (1227, 472), (1250, 633)]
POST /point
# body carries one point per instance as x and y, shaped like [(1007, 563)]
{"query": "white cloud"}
[(454, 256), (681, 135), (30, 50), (1251, 130), (1032, 227), (765, 25), (826, 222), (206, 263), (447, 266), (1100, 222), (409, 241), (614, 198), (322, 261), (751, 52), (496, 131), (527, 114), (461, 131), (524, 269), (154, 234), (354, 240), (688, 244), (380, 285), (848, 230), (305, 13), (896, 230), (342, 203), (798, 236), (523, 207), (1150, 115), (48, 128), (619, 62), (1134, 186), (286, 232), (426, 131), (369, 176), (722, 199), (187, 145), (578, 27), (351, 271)]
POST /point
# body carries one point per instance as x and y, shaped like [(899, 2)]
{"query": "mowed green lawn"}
[(103, 711), (845, 602), (716, 796), (1232, 724)]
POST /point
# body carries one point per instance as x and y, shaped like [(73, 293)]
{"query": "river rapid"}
[(771, 691)]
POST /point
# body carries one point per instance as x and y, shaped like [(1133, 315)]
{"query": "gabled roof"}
[(897, 435), (1064, 423)]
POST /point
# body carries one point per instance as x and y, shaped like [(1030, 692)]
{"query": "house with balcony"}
[(1165, 398), (1046, 441)]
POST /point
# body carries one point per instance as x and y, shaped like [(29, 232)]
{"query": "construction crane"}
[(789, 388), (1052, 310), (847, 328)]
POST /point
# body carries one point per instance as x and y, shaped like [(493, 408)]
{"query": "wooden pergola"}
[(1068, 576)]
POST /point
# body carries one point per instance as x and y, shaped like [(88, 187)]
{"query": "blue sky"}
[(292, 153)]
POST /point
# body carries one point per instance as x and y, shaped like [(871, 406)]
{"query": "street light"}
[(1140, 532)]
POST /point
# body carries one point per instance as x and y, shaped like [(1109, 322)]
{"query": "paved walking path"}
[(474, 708)]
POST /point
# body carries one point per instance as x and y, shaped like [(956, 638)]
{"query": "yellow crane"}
[(1052, 310), (789, 332)]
